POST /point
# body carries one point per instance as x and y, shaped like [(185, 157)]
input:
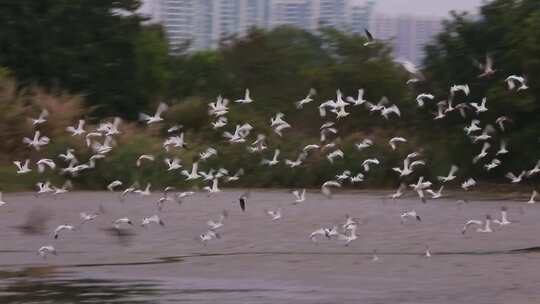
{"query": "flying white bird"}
[(144, 192), (236, 176), (208, 236), (86, 217), (173, 164), (220, 122), (299, 195), (359, 99), (143, 157), (22, 168), (219, 108), (325, 188), (534, 170), (408, 167), (79, 130), (512, 81), (395, 140), (473, 127), (118, 222), (246, 99), (152, 219), (504, 218), (421, 98), (365, 143), (393, 109), (273, 161), (368, 162), (209, 152), (350, 237), (435, 194), (45, 162), (41, 118), (194, 174), (369, 37), (309, 98), (515, 179), (451, 175), (327, 232), (483, 153), (37, 141), (502, 148), (460, 87), (485, 134), (501, 120), (219, 223), (487, 68), (113, 185), (45, 251), (399, 191), (492, 165), (335, 154), (162, 107), (2, 203), (486, 223), (410, 214), (274, 215), (467, 184), (480, 107), (62, 228)]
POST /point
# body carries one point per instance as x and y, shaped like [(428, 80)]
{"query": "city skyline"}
[(205, 23)]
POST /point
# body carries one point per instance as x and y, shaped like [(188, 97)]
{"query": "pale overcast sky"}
[(424, 7)]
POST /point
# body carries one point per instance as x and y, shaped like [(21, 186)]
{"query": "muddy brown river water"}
[(258, 260)]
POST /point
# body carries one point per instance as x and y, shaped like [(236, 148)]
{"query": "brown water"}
[(260, 261)]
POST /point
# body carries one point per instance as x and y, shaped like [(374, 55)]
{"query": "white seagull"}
[(157, 116), (22, 168), (451, 175), (246, 99)]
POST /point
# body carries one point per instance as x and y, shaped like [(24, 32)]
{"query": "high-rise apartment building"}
[(204, 23), (407, 34)]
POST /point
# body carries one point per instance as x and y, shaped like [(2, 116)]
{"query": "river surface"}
[(258, 260)]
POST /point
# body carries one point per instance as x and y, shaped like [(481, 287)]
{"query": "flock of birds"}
[(101, 141)]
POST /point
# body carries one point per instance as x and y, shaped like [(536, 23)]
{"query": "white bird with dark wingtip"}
[(327, 232), (350, 237), (118, 222), (421, 98), (45, 162), (534, 170), (335, 154), (369, 38), (473, 127), (410, 214), (62, 228), (460, 87), (487, 68), (173, 164), (512, 81), (208, 236), (162, 107), (23, 168), (408, 167)]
